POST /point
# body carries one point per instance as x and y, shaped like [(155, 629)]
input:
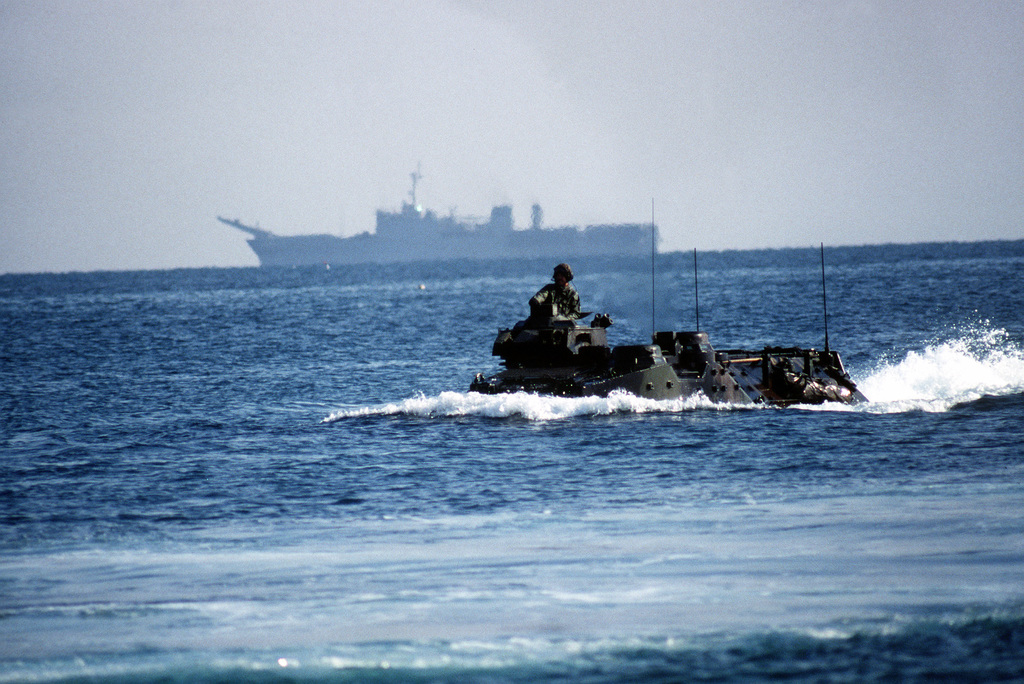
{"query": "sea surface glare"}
[(279, 475)]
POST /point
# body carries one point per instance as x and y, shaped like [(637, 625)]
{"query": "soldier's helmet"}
[(565, 270)]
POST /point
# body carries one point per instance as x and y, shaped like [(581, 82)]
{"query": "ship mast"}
[(416, 176)]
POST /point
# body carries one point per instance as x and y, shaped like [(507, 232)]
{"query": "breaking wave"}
[(979, 363), (531, 407), (970, 645)]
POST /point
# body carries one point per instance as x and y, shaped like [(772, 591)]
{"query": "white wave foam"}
[(523, 405), (979, 363)]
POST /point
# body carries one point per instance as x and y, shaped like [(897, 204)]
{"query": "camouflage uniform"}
[(566, 298)]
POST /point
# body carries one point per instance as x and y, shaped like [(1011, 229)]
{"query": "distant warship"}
[(415, 234)]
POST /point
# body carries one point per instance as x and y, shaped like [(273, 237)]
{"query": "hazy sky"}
[(128, 126)]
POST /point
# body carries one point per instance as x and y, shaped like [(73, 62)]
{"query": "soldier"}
[(559, 293)]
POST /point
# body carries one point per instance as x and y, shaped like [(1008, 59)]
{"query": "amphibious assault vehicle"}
[(550, 353)]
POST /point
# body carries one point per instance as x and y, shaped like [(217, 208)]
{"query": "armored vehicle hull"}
[(555, 355)]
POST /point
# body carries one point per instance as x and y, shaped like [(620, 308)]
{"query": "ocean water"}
[(278, 475)]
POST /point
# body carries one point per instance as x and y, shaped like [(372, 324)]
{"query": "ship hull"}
[(559, 243)]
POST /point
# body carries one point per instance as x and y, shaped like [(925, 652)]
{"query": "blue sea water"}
[(278, 475)]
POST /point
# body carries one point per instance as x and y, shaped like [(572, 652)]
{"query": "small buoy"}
[(422, 286)]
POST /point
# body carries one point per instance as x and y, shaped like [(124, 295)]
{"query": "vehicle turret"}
[(548, 339)]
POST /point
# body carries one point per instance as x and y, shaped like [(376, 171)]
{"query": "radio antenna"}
[(696, 299), (653, 250), (824, 300)]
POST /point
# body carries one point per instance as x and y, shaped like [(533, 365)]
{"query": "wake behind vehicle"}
[(549, 353)]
